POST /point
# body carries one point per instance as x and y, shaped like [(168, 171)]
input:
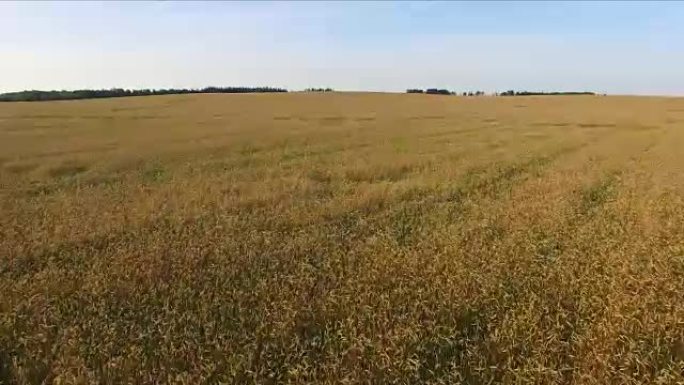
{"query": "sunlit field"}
[(342, 238)]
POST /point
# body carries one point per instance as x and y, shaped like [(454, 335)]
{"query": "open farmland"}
[(342, 238)]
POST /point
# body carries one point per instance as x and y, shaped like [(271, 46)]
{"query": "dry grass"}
[(342, 238)]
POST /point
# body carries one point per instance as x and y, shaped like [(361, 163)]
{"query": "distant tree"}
[(437, 91), (414, 91), (319, 89)]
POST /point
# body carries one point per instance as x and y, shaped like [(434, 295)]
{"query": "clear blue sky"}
[(614, 47)]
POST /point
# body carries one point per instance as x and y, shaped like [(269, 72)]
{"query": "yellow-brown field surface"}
[(342, 238)]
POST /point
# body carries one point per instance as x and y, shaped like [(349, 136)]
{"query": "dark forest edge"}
[(35, 96)]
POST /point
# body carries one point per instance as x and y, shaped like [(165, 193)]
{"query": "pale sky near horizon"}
[(612, 47)]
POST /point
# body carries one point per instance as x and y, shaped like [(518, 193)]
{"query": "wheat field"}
[(342, 238)]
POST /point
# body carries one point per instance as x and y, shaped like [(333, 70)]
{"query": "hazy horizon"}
[(610, 47)]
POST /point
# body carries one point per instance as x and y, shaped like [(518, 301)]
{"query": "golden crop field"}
[(342, 238)]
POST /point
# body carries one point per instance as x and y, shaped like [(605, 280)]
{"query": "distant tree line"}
[(436, 91), (33, 95), (319, 90), (430, 91), (529, 93)]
